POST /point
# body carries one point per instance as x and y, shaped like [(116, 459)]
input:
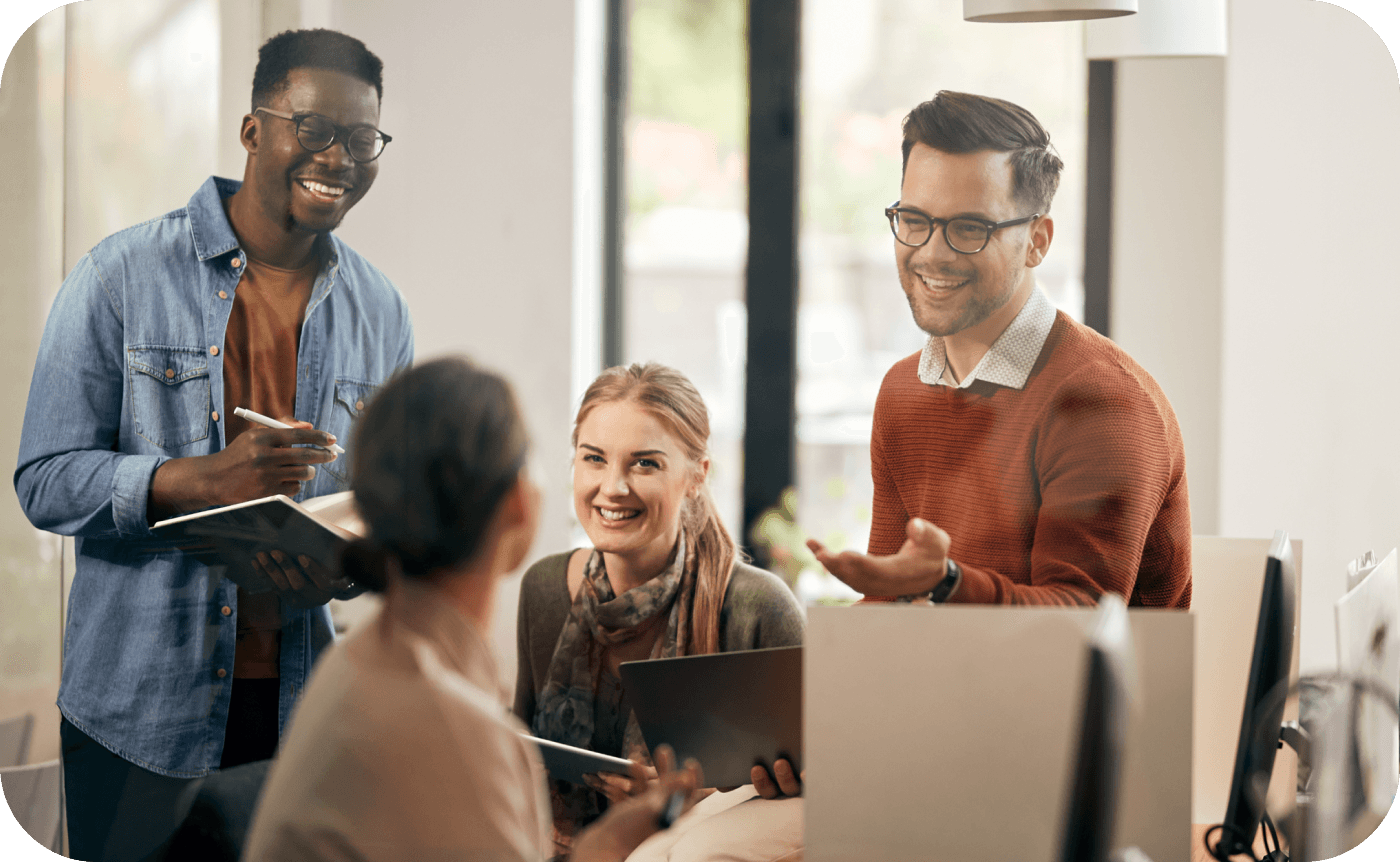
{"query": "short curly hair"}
[(965, 123), (312, 49)]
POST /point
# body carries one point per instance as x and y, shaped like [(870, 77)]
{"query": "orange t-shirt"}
[(260, 363)]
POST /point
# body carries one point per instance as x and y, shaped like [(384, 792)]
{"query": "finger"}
[(763, 783), (664, 759), (299, 436), (694, 776), (787, 780), (297, 474), (928, 536), (295, 579), (294, 422), (317, 573), (263, 563)]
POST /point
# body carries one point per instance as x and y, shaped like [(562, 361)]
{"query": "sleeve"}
[(1108, 453), (405, 353), (888, 517), (524, 707), (760, 612), (69, 478)]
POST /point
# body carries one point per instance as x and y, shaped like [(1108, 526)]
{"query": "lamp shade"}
[(1161, 28), (1013, 11)]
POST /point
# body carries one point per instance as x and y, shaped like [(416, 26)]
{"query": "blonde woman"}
[(663, 578)]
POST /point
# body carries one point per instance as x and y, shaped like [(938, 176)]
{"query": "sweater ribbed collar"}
[(1011, 357)]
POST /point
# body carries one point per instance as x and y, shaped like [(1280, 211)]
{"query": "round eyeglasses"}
[(964, 235), (317, 133)]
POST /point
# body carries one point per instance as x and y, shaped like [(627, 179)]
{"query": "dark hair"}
[(964, 123), (669, 396), (435, 452), (312, 49)]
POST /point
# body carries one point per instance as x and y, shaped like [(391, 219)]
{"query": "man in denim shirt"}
[(242, 298)]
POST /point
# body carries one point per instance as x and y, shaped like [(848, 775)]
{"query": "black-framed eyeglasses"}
[(317, 133), (964, 235)]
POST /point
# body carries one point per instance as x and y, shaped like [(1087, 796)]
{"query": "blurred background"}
[(1273, 339)]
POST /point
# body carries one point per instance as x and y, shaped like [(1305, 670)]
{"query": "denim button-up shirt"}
[(130, 375)]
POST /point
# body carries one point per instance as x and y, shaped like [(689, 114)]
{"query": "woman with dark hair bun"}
[(402, 747), (663, 579)]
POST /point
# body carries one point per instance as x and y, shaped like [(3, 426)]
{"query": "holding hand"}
[(303, 582), (259, 462), (618, 787), (783, 782), (633, 819), (917, 567)]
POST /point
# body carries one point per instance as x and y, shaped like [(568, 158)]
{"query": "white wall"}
[(1310, 361), (1276, 347), (479, 98), (471, 214), (1166, 267)]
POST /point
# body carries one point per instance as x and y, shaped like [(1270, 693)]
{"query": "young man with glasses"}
[(1018, 442), (243, 298)]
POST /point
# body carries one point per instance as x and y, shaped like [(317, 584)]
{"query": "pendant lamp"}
[(1014, 11)]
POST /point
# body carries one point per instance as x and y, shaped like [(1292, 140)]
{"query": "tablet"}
[(728, 710), (568, 763)]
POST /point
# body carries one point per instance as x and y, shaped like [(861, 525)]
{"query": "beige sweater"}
[(402, 748)]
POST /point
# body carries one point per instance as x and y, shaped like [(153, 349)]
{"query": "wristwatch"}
[(943, 590)]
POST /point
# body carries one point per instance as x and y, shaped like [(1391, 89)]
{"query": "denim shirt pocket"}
[(170, 397), (351, 397)]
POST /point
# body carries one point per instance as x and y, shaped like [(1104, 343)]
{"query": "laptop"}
[(727, 710)]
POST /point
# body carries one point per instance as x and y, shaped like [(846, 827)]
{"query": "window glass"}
[(686, 232), (865, 64)]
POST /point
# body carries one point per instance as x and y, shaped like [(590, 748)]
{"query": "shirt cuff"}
[(131, 493)]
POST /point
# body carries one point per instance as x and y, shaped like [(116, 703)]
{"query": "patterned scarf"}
[(598, 619)]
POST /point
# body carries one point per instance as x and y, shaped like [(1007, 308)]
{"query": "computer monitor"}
[(1092, 806), (1263, 704)]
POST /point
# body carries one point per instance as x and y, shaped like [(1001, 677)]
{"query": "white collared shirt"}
[(1011, 357)]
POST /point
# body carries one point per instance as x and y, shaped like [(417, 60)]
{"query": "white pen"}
[(273, 423)]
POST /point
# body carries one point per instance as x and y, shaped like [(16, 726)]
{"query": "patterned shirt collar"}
[(1011, 357)]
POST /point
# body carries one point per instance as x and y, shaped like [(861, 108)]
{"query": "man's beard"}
[(291, 224), (977, 308)]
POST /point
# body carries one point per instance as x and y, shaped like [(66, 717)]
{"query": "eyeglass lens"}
[(964, 235), (317, 133)]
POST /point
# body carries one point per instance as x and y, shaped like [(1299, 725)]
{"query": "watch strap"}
[(949, 585)]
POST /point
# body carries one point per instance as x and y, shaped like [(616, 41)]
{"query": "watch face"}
[(946, 586)]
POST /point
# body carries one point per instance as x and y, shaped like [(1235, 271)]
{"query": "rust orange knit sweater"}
[(1052, 494)]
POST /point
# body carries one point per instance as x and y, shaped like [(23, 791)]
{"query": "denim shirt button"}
[(214, 350), (225, 610), (236, 263), (169, 373), (221, 673), (215, 414), (223, 294)]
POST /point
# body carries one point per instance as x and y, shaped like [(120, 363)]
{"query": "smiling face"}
[(298, 190), (951, 293), (631, 480)]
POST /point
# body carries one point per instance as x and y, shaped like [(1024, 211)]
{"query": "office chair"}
[(220, 812), (35, 795), (14, 739)]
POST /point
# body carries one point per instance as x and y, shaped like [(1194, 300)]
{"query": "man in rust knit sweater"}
[(1024, 446)]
